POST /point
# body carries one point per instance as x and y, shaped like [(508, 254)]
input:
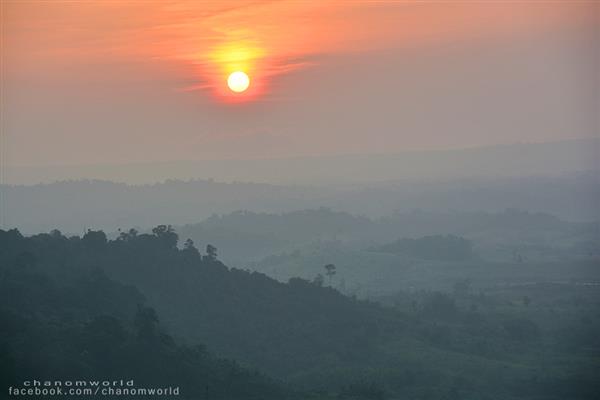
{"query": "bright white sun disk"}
[(238, 81)]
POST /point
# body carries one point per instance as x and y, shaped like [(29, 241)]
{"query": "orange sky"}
[(169, 62), (265, 38)]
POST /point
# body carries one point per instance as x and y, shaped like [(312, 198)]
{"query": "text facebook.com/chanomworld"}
[(89, 388)]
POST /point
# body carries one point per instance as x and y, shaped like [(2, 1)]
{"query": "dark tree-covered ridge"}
[(68, 324), (73, 298)]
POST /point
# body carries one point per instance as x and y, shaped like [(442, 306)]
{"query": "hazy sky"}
[(116, 81)]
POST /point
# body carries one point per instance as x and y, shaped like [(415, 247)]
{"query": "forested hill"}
[(243, 315), (301, 332), (248, 238), (62, 322)]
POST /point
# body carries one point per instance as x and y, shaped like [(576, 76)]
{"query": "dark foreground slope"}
[(57, 304), (81, 325)]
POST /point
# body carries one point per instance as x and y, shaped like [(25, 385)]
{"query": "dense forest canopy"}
[(69, 324), (89, 297)]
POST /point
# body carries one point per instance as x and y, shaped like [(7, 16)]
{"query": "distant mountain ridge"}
[(78, 205), (521, 159)]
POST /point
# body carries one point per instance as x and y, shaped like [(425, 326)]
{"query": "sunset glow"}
[(324, 72)]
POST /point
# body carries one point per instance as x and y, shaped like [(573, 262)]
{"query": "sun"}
[(238, 81)]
